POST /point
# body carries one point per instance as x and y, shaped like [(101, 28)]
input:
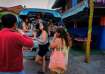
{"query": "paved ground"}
[(76, 65)]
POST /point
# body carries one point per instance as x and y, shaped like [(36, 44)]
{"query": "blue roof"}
[(28, 10), (76, 9)]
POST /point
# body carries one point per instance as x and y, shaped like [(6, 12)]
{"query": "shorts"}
[(43, 49), (22, 72)]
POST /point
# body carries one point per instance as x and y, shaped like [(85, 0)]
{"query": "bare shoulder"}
[(54, 43), (44, 32)]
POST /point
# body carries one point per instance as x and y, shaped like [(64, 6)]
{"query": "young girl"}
[(61, 40)]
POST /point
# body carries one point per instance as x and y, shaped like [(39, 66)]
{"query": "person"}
[(25, 25), (11, 44), (51, 28), (39, 18), (62, 40), (43, 47)]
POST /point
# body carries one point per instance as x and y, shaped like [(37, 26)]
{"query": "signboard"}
[(102, 21), (100, 1)]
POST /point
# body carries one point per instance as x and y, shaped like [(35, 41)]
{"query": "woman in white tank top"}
[(43, 46)]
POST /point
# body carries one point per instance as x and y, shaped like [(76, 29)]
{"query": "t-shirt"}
[(11, 43)]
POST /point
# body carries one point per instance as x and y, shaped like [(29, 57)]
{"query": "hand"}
[(55, 35), (21, 31), (34, 38)]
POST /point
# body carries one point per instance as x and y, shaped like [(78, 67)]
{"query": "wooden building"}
[(75, 14)]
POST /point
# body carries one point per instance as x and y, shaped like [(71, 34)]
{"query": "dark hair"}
[(8, 20), (64, 35), (45, 26), (37, 26), (23, 17)]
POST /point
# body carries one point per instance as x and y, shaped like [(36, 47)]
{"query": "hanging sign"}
[(102, 22)]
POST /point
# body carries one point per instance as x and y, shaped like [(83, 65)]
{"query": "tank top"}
[(43, 43)]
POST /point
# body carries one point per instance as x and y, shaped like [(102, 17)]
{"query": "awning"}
[(28, 10), (76, 9), (59, 3)]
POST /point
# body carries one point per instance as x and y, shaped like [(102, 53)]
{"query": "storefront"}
[(76, 20)]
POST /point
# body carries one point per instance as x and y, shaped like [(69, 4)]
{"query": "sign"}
[(100, 1), (102, 21)]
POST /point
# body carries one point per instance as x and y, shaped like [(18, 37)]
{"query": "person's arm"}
[(24, 27), (70, 40), (44, 37), (24, 40), (54, 42)]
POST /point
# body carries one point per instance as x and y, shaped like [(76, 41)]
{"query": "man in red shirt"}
[(11, 44)]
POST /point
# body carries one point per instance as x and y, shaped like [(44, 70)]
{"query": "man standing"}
[(11, 43)]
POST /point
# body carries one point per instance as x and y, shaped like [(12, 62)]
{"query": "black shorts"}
[(43, 49)]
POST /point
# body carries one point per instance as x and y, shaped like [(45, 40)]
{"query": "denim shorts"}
[(22, 72)]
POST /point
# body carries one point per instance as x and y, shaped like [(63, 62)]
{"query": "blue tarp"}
[(82, 32), (102, 39), (28, 10), (78, 32), (76, 9)]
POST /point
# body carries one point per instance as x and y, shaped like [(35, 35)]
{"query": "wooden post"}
[(91, 5)]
